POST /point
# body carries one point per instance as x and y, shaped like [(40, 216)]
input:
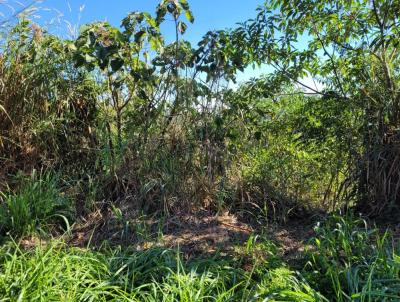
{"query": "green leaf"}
[(142, 94), (172, 8), (79, 60), (89, 58), (182, 27), (161, 12), (184, 4), (189, 15), (155, 43), (71, 46), (139, 35), (116, 64)]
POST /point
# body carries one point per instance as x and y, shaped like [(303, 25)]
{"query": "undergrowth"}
[(38, 206), (352, 261), (348, 261)]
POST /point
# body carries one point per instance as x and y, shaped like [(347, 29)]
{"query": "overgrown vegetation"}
[(100, 132), (342, 268)]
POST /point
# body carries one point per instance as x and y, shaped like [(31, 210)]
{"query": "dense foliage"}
[(352, 48), (117, 119)]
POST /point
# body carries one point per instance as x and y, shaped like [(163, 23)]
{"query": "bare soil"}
[(194, 234)]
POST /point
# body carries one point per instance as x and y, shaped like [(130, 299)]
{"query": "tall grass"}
[(34, 207), (355, 262), (58, 273)]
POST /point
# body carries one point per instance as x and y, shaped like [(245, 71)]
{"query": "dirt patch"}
[(292, 238), (200, 233), (194, 234), (30, 243), (205, 234)]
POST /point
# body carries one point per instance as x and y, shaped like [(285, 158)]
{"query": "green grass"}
[(348, 263), (58, 273), (37, 207), (355, 262)]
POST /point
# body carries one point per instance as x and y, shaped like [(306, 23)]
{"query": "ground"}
[(194, 234)]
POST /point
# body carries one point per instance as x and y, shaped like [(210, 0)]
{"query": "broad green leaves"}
[(328, 31), (141, 27), (218, 56), (175, 8), (182, 27), (99, 45), (110, 49)]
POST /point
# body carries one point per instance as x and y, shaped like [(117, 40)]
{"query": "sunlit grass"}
[(362, 267)]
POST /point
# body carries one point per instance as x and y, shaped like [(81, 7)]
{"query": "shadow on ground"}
[(194, 234)]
